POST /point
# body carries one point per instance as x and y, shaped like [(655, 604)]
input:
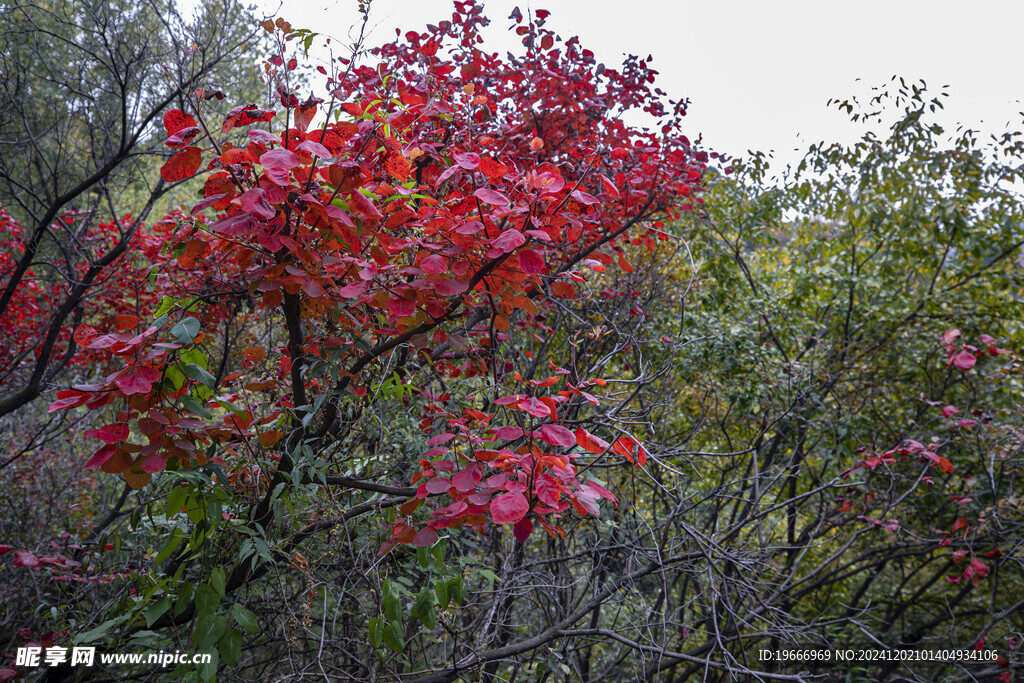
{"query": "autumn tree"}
[(398, 245)]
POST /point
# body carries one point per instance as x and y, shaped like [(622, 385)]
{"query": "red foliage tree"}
[(392, 237), (441, 200)]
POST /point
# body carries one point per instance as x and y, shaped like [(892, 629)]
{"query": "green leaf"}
[(101, 630), (208, 671), (184, 596), (438, 550), (392, 608), (217, 580), (175, 501), (245, 618), (166, 304), (207, 599), (423, 608), (194, 406), (156, 610), (209, 629), (195, 510), (230, 646), (186, 330), (177, 536), (393, 637), (376, 631), (457, 590), (200, 375), (174, 377), (195, 355), (423, 557), (443, 596)]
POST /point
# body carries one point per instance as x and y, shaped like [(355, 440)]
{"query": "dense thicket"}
[(445, 373)]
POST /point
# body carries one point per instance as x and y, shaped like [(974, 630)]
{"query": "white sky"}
[(758, 73)]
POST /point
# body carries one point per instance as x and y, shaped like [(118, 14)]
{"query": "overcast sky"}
[(758, 73)]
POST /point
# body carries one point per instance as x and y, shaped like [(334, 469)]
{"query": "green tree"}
[(845, 460)]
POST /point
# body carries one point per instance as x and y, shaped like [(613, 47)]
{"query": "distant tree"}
[(860, 450)]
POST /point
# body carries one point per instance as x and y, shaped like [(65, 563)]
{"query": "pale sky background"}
[(758, 74)]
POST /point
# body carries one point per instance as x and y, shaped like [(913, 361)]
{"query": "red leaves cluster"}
[(405, 208), (515, 473)]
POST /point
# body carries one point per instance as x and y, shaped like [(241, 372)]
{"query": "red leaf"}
[(534, 407), (979, 567), (602, 491), (140, 381), (24, 558), (401, 307), (109, 433), (451, 287), (467, 160), (466, 480), (522, 529), (509, 508), (609, 186), (438, 485), (424, 538), (434, 264), (182, 165), (183, 137), (397, 166), (84, 334), (493, 169), (492, 197), (589, 442), (509, 433), (448, 173), (548, 490), (508, 240), (950, 336), (315, 148), (154, 463), (627, 447), (254, 202), (530, 261), (363, 205), (126, 322), (245, 115), (175, 120), (586, 502), (283, 159), (66, 402), (470, 228), (584, 198), (563, 290), (556, 435), (964, 360)]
